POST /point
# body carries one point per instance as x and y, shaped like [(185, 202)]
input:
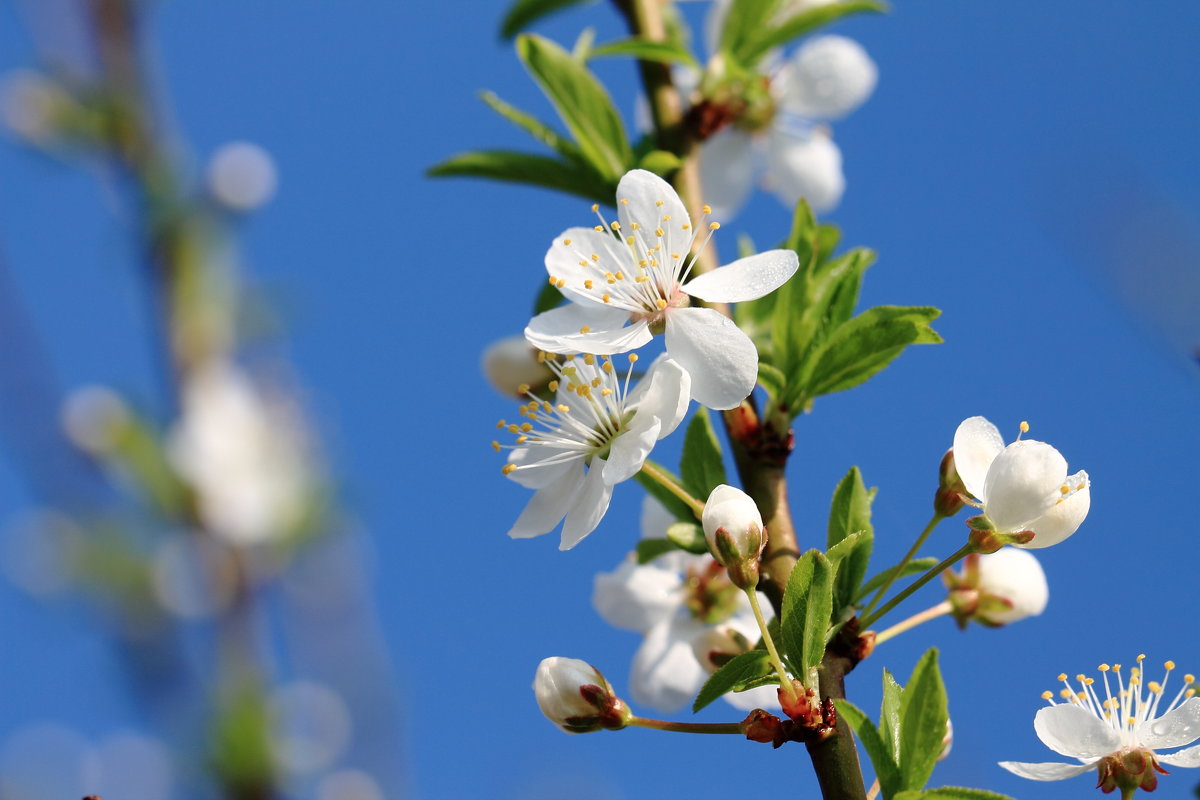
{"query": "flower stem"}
[(953, 559), (664, 480), (940, 610), (687, 727), (912, 551), (785, 683)]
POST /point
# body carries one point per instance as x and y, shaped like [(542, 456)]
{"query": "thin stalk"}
[(664, 480), (785, 683), (940, 610), (687, 727), (912, 551), (949, 562)]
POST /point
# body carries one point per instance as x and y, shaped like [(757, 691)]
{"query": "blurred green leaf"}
[(524, 13), (765, 37), (514, 167), (886, 770), (688, 536), (923, 716), (539, 130), (660, 162), (582, 103), (649, 549), (644, 50), (742, 669), (952, 793), (679, 509), (701, 466), (911, 568), (744, 21)]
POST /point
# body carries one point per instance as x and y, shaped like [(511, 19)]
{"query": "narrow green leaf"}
[(849, 558), (911, 568), (524, 13), (773, 381), (923, 715), (961, 793), (688, 536), (660, 162), (866, 344), (514, 167), (581, 101), (743, 20), (539, 130), (679, 509), (889, 715), (743, 668), (886, 769), (644, 50), (701, 466), (850, 509), (846, 273), (807, 607), (650, 549), (755, 47)]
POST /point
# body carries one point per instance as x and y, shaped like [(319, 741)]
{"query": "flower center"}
[(711, 596)]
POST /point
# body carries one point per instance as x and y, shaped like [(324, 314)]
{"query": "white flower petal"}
[(1023, 483), (765, 697), (665, 673), (805, 164), (588, 507), (631, 448), (1173, 729), (1017, 577), (636, 597), (727, 171), (549, 504), (535, 472), (664, 392), (719, 357), (830, 77), (563, 261), (1064, 518), (1046, 771), (977, 442), (558, 330), (1184, 758), (1075, 732), (650, 201), (747, 278)]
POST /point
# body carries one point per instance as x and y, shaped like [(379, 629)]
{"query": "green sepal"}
[(524, 13), (535, 170), (806, 610), (886, 769), (911, 568), (701, 465), (741, 670), (679, 509), (645, 50), (581, 102), (923, 716), (755, 47), (688, 536), (649, 549)]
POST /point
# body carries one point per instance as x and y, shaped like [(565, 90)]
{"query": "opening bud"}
[(512, 367), (576, 697), (734, 531), (948, 499), (998, 588)]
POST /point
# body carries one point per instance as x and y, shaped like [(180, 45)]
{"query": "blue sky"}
[(1030, 168)]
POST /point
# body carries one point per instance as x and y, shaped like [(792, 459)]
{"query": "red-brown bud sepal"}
[(1129, 770)]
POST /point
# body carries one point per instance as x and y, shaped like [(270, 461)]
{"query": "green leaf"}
[(548, 297), (866, 344), (923, 716), (582, 103), (886, 769), (507, 165), (650, 549), (849, 558), (660, 162), (539, 130), (757, 46), (773, 381), (742, 669), (952, 793), (688, 536), (743, 20), (524, 13), (850, 516), (889, 715), (644, 50), (911, 568), (701, 465), (807, 607), (679, 509)]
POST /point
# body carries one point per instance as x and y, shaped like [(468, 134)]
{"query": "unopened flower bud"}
[(512, 367), (717, 646), (576, 697), (950, 493), (999, 588), (734, 531)]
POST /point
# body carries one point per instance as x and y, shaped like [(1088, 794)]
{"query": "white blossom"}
[(595, 434), (631, 278), (1016, 577), (1023, 486)]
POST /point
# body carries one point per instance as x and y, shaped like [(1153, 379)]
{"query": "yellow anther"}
[(1081, 678), (532, 405), (1154, 686), (501, 424), (526, 427), (635, 226), (553, 280), (596, 381), (589, 359), (561, 283), (658, 203), (598, 228), (1141, 657), (1103, 668), (522, 439), (595, 207), (1024, 426), (1131, 720), (587, 284), (1065, 489), (1189, 678), (605, 392), (496, 446), (563, 408), (1169, 665), (595, 257), (607, 367), (660, 303), (585, 329), (620, 275), (658, 232), (630, 239), (523, 388), (1062, 676), (642, 263), (606, 297), (1066, 694), (611, 281), (624, 201), (633, 358), (641, 279), (508, 469), (513, 429), (567, 242), (547, 408), (1081, 696), (1088, 681), (1047, 695), (666, 218), (686, 227), (1116, 667), (675, 256), (712, 226)]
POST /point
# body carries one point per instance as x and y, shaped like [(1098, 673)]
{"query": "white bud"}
[(94, 418), (1015, 576), (242, 176), (576, 697), (733, 527), (510, 363)]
